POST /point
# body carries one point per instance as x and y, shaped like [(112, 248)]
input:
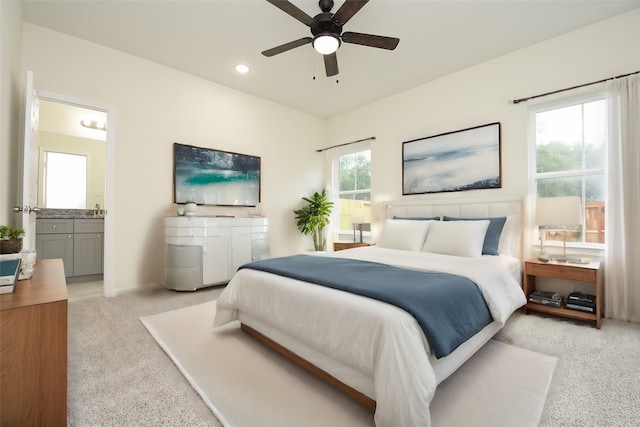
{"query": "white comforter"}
[(378, 339)]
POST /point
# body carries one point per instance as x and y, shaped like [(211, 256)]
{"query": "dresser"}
[(33, 349), (206, 251)]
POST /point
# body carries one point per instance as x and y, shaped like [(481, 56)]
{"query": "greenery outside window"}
[(570, 160), (352, 180)]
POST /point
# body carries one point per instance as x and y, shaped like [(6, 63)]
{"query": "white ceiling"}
[(208, 38)]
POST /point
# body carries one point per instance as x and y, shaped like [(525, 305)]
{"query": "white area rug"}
[(246, 384)]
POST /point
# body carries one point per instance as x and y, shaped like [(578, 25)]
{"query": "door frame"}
[(109, 177)]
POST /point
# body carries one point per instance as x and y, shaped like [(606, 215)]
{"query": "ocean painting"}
[(463, 160), (214, 177)]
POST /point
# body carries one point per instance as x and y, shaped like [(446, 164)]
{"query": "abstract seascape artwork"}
[(468, 159), (214, 177)]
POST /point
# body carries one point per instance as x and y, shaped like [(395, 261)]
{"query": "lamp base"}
[(543, 258)]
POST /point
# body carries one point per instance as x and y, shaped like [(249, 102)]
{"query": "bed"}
[(375, 352)]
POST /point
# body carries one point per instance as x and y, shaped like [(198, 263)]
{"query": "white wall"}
[(10, 101), (156, 106), (481, 95)]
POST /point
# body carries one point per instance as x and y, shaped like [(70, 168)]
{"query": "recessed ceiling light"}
[(242, 69)]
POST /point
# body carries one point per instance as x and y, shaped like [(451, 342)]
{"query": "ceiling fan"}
[(326, 28)]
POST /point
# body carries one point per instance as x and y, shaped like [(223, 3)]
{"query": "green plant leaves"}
[(314, 217)]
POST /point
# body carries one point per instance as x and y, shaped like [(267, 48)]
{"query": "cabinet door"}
[(49, 246), (240, 247), (87, 253), (215, 260)]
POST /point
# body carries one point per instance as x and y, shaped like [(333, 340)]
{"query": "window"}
[(570, 160), (353, 184), (65, 180)]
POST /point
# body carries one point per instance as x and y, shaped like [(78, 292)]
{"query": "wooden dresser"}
[(33, 349)]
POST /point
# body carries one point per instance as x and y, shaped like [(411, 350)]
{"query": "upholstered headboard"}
[(510, 207)]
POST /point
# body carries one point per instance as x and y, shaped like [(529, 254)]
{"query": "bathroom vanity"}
[(78, 241)]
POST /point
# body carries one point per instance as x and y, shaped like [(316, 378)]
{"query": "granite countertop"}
[(69, 214)]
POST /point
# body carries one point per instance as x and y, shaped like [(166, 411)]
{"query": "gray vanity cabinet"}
[(54, 239), (88, 246), (79, 242)]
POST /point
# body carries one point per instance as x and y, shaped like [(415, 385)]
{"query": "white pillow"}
[(460, 238), (403, 234), (508, 237)]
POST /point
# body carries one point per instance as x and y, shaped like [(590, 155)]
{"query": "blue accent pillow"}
[(492, 238), (418, 218)]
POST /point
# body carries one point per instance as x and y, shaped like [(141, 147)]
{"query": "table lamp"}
[(553, 212)]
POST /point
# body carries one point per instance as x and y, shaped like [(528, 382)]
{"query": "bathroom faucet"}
[(98, 211)]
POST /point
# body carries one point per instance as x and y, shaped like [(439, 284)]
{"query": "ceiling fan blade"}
[(331, 64), (287, 46), (291, 9), (348, 9), (371, 40)]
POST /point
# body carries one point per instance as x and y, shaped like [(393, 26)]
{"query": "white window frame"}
[(335, 185), (534, 175)]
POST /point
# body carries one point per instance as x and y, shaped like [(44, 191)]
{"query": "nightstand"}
[(338, 246), (587, 273)]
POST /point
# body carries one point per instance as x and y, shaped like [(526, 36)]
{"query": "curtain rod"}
[(518, 101), (371, 138)]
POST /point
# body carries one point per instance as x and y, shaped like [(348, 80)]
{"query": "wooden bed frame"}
[(354, 394)]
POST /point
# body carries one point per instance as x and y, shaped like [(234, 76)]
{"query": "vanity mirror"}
[(71, 157)]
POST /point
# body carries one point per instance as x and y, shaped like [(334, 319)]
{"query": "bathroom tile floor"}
[(84, 290)]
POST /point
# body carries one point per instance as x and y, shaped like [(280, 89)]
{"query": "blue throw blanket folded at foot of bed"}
[(450, 309)]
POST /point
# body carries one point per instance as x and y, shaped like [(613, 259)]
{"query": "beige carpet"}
[(246, 384)]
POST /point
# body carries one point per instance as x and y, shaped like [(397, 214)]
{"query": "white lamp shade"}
[(558, 211), (326, 44)]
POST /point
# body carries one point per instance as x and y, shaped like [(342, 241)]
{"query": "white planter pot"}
[(190, 209)]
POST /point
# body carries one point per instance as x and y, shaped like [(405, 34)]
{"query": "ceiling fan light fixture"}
[(326, 43)]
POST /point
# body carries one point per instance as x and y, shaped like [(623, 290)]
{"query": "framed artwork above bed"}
[(215, 177), (467, 159)]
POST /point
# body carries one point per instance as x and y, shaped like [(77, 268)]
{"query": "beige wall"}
[(481, 95), (156, 106), (10, 105)]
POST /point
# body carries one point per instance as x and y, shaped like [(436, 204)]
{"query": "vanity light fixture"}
[(93, 124)]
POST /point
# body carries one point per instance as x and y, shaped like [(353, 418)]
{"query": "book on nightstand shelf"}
[(581, 302), (551, 299)]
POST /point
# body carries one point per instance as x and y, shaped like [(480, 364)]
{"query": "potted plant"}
[(314, 217), (10, 239), (190, 208)]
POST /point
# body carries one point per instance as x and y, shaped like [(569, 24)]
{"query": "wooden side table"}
[(588, 273), (338, 246)]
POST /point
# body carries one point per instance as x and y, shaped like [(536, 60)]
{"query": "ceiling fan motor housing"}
[(324, 24), (325, 5)]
